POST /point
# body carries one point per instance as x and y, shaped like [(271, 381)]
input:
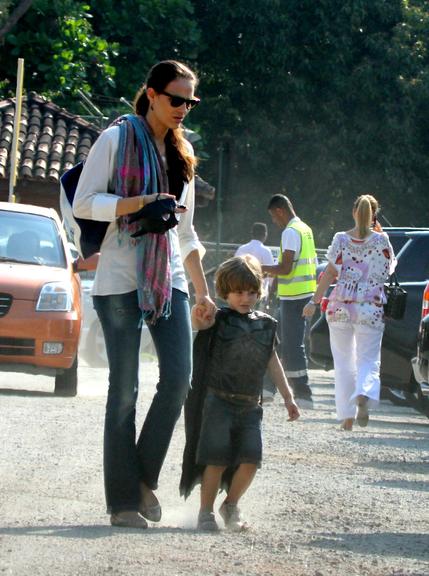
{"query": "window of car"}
[(30, 238), (397, 242), (413, 261)]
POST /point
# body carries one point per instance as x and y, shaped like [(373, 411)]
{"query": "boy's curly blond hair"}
[(239, 273)]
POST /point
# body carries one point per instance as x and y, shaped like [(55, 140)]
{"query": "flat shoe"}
[(152, 513), (362, 415), (128, 519)]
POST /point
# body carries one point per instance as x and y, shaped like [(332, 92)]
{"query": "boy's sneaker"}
[(231, 516), (207, 521)]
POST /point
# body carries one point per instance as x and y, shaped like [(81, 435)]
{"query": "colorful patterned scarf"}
[(140, 170)]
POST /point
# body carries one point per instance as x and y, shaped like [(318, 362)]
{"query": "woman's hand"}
[(149, 198), (133, 204), (207, 303), (309, 309)]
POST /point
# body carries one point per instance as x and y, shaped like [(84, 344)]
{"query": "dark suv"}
[(411, 246)]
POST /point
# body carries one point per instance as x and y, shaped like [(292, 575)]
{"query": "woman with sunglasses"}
[(141, 159)]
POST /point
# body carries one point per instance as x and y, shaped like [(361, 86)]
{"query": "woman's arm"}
[(196, 273), (326, 279)]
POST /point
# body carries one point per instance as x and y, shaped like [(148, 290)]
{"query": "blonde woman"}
[(361, 260)]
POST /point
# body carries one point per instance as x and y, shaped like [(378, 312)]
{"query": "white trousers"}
[(356, 350)]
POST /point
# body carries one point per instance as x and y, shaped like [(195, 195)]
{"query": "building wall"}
[(33, 192)]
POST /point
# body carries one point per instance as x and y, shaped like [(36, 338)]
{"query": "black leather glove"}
[(156, 217)]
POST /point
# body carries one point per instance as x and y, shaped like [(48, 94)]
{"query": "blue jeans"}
[(294, 359), (127, 463)]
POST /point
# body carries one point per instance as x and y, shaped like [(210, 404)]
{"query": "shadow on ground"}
[(408, 545)]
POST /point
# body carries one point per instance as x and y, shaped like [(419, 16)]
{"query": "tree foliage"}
[(8, 21), (145, 31), (329, 105), (61, 52), (323, 100)]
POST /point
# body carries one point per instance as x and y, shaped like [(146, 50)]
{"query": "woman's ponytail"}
[(363, 215), (141, 101)]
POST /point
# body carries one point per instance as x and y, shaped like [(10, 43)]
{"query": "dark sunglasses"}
[(177, 101)]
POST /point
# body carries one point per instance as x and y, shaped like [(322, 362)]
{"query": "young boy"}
[(232, 352)]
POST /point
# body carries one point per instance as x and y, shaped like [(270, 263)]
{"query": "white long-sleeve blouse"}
[(117, 268)]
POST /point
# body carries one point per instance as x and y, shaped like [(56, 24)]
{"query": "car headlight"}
[(55, 296)]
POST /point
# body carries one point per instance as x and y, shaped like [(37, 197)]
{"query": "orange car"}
[(40, 296)]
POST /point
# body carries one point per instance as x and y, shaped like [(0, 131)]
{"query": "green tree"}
[(323, 100), (61, 52), (145, 31), (8, 21)]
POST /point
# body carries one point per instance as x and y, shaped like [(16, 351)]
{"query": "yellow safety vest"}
[(302, 278)]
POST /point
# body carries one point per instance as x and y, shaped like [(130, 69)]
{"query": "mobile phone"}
[(182, 206)]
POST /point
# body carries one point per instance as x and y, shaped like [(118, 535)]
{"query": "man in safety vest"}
[(296, 283)]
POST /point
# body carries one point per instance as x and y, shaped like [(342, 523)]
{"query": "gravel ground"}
[(326, 502)]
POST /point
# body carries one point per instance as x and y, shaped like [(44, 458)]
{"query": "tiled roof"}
[(51, 140)]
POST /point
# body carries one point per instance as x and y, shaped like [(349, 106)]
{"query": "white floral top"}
[(363, 268)]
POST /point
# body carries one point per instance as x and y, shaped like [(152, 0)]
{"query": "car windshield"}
[(30, 239)]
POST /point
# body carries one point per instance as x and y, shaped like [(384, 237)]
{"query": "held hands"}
[(203, 313), (292, 409)]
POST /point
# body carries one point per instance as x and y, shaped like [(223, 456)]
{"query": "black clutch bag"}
[(396, 299), (156, 217)]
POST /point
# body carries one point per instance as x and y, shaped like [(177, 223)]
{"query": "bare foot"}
[(347, 424)]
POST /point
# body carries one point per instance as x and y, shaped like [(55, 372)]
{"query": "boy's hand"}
[(292, 409)]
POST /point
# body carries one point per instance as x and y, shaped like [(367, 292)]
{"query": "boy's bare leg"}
[(210, 483), (229, 509), (241, 482)]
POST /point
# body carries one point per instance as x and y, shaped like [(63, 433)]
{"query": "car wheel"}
[(413, 397), (394, 395), (66, 383), (416, 398)]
